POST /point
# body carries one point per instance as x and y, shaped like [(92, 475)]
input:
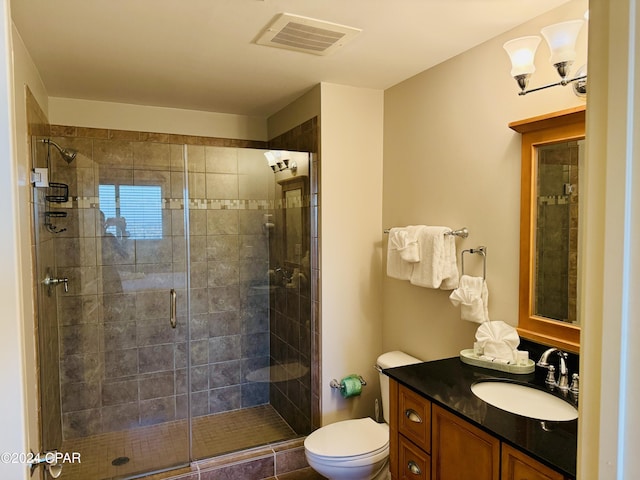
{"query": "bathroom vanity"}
[(439, 430)]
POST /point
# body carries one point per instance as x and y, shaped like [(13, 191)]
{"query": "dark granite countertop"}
[(448, 383)]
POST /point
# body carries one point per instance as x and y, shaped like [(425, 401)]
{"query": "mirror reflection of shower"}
[(68, 154)]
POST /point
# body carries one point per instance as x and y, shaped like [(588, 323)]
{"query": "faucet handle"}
[(575, 385), (551, 376)]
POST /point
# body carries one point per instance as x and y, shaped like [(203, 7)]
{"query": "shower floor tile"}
[(160, 446)]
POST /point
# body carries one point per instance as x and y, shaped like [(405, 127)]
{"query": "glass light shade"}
[(561, 38), (272, 157), (521, 52)]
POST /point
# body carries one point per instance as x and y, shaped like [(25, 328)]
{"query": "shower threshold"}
[(126, 454)]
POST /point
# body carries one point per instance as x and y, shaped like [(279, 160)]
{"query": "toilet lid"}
[(348, 438)]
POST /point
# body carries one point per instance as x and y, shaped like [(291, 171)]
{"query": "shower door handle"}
[(173, 319)]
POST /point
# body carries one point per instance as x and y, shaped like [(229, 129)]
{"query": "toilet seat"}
[(349, 440)]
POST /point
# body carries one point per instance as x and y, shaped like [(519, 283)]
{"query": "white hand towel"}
[(396, 266), (450, 275), (411, 251), (499, 340), (429, 271), (473, 298)]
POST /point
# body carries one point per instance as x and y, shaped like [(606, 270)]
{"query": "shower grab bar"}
[(461, 232), (173, 319)]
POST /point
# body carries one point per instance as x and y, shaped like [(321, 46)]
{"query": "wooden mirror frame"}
[(552, 128)]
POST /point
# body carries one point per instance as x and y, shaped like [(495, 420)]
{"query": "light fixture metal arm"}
[(563, 82)]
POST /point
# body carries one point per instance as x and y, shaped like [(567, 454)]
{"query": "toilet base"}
[(377, 471), (384, 474)]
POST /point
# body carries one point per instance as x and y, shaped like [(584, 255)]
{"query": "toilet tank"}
[(390, 360)]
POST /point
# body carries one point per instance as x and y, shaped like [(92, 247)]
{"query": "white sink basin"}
[(524, 400)]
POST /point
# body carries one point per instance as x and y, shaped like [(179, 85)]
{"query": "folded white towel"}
[(450, 275), (396, 266), (428, 272), (411, 251), (473, 298), (499, 340)]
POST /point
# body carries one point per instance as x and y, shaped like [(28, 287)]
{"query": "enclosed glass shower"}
[(174, 299)]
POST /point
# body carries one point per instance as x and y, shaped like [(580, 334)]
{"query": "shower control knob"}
[(52, 282)]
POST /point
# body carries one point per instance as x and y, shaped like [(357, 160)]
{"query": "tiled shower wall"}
[(295, 312), (121, 365)]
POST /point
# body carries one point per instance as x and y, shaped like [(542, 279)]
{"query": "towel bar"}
[(461, 232)]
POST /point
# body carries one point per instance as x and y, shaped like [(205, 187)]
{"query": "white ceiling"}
[(201, 54)]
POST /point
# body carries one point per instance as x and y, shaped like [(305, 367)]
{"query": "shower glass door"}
[(120, 241), (250, 303), (145, 222)]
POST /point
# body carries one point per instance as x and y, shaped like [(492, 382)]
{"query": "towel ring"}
[(480, 251)]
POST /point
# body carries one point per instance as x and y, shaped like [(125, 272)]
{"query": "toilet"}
[(356, 449)]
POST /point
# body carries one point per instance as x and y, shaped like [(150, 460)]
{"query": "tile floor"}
[(166, 445)]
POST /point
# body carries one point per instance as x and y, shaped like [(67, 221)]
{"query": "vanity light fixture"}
[(279, 160), (561, 38)]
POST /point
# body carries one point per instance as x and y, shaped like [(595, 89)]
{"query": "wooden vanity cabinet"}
[(409, 434), (461, 450), (428, 442), (518, 466)]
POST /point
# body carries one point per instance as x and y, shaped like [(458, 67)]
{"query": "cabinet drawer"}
[(414, 463), (414, 418)]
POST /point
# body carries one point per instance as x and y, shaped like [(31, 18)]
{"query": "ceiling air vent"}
[(308, 35)]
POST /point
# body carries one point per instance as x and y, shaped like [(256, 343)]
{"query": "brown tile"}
[(113, 153), (254, 470), (63, 131), (124, 135), (154, 137), (290, 460), (303, 474), (92, 132)]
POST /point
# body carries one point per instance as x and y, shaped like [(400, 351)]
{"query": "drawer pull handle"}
[(414, 468), (412, 415)]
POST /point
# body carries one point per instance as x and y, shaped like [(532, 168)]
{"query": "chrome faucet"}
[(287, 276), (563, 375)]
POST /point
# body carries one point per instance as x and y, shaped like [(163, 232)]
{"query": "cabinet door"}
[(519, 466), (414, 463), (461, 450), (414, 418)]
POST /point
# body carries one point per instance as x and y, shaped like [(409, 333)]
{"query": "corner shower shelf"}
[(57, 193)]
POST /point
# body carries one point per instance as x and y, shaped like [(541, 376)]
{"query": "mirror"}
[(552, 152), (293, 197)]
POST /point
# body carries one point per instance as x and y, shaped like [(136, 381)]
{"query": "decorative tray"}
[(467, 356)]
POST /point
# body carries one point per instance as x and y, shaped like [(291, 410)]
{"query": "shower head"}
[(68, 154)]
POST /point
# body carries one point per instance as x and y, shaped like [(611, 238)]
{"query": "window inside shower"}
[(145, 220), (133, 211)]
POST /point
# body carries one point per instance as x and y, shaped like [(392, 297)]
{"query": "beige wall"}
[(351, 231), (297, 112), (450, 159), (69, 111), (12, 409)]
